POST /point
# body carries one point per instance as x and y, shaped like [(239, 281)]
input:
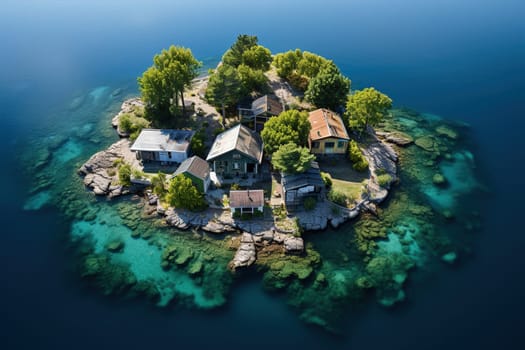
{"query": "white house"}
[(163, 145)]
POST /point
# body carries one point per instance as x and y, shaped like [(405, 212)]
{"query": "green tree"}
[(224, 88), (234, 55), (252, 80), (366, 107), (183, 194), (164, 83), (124, 174), (312, 64), (257, 57), (197, 144), (287, 62), (329, 89), (292, 159), (289, 126)]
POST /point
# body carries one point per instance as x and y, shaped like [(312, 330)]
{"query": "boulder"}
[(246, 254), (294, 245)]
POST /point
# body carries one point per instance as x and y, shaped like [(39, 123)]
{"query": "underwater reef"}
[(123, 248)]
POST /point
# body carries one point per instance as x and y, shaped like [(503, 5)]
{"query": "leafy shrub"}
[(158, 183), (327, 179), (309, 203), (133, 124), (337, 197), (124, 174), (124, 122), (183, 194), (384, 179), (137, 174), (359, 162), (235, 187)]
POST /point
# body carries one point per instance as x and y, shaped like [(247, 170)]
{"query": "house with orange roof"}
[(328, 134)]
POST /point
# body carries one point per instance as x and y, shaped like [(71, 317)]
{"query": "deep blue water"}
[(461, 59)]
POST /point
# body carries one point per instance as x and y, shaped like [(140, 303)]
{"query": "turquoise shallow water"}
[(468, 72)]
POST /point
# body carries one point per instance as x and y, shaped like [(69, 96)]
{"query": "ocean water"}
[(61, 66)]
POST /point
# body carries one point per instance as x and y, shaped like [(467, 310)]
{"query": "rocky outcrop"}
[(246, 254), (127, 107), (95, 170), (396, 137), (382, 160), (293, 245)]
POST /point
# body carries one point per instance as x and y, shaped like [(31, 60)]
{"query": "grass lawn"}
[(344, 178)]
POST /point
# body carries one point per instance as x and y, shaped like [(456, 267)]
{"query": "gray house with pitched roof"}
[(236, 152)]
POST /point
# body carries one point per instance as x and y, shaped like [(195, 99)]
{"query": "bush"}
[(124, 122), (183, 194), (337, 197), (137, 174), (124, 174), (359, 162), (327, 179), (235, 187), (309, 203), (158, 184), (384, 179)]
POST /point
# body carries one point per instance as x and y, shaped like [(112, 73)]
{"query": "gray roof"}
[(247, 199), (311, 177), (163, 140), (266, 104), (239, 138), (196, 166)]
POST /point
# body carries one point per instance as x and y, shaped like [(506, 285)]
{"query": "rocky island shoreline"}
[(100, 176)]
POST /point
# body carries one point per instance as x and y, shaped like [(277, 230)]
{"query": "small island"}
[(249, 166)]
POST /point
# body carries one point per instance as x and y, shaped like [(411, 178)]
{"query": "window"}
[(169, 155), (341, 144), (236, 166), (329, 144), (315, 144), (236, 156)]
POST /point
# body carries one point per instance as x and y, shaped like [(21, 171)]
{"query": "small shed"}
[(246, 201), (297, 187), (197, 170), (163, 145)]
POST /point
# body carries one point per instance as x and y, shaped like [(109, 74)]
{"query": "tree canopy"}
[(300, 67), (366, 107), (241, 73), (183, 194), (329, 88), (224, 88), (289, 126), (162, 84), (290, 158), (234, 55), (257, 57)]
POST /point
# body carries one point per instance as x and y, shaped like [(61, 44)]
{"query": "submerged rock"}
[(447, 131), (397, 137), (428, 143), (439, 180), (449, 258)]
